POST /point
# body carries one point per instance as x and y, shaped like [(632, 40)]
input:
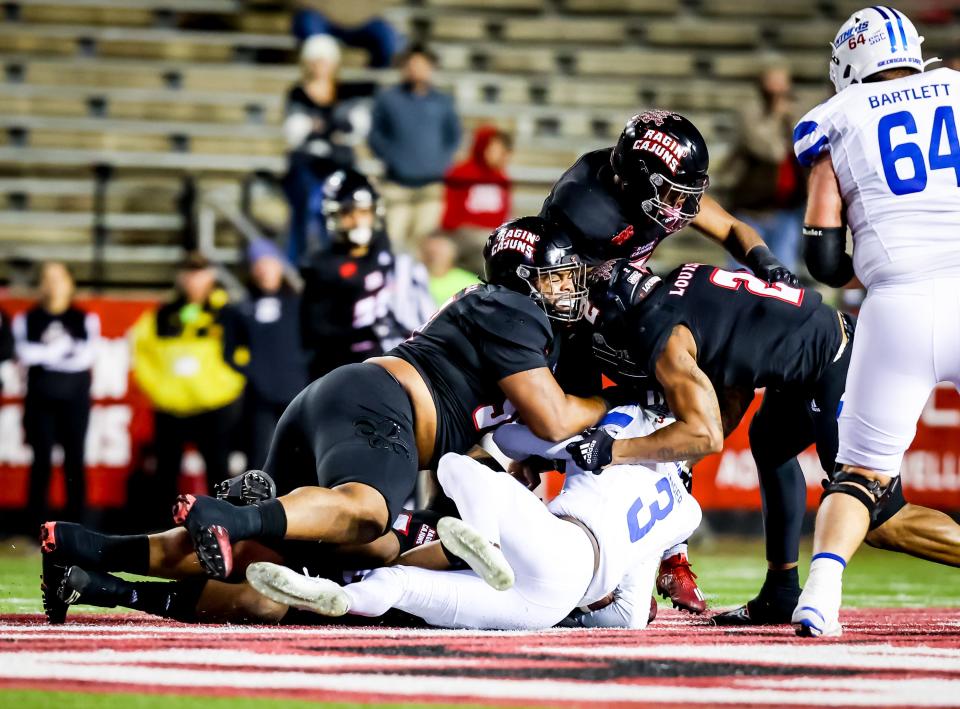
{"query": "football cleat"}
[(676, 581), (759, 611), (246, 488), (286, 586), (484, 557), (653, 610), (204, 520), (50, 580), (51, 575), (92, 588), (811, 623)]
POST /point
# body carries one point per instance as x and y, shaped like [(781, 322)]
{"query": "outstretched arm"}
[(742, 241), (698, 430)]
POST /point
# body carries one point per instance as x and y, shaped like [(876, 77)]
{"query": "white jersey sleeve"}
[(896, 153), (631, 600)]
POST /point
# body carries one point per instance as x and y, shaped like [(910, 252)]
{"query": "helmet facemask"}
[(674, 205), (560, 290)]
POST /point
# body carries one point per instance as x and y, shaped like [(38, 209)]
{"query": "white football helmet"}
[(874, 39)]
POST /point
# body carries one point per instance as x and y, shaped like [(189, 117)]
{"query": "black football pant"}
[(787, 422), (46, 422)]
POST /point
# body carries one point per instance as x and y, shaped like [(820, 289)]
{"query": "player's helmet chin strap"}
[(565, 306)]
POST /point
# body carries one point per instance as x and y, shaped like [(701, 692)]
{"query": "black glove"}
[(594, 451), (765, 265)]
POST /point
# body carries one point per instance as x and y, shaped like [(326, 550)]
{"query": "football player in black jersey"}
[(347, 450), (703, 330), (345, 309), (624, 200)]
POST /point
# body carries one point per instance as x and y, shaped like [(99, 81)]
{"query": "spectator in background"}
[(770, 192), (6, 342), (185, 360), (439, 254), (320, 129), (477, 195), (357, 23), (56, 342), (415, 131), (346, 315), (277, 371)]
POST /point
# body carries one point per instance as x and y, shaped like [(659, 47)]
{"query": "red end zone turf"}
[(895, 657)]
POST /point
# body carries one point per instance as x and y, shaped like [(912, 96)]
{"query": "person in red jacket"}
[(477, 195)]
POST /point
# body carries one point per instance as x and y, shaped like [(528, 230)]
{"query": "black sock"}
[(273, 519), (102, 552), (176, 600), (129, 553), (781, 584)]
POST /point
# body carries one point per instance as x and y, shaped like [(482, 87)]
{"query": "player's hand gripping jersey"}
[(482, 335), (634, 512), (896, 153)]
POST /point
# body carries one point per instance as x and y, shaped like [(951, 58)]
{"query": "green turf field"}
[(729, 572)]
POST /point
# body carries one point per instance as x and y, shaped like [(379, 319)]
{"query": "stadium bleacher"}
[(162, 90)]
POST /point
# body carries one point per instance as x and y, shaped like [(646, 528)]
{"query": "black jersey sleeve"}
[(649, 335), (514, 332)]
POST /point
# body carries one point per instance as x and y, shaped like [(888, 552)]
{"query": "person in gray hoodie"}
[(415, 131)]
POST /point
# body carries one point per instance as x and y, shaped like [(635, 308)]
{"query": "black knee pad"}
[(882, 503), (890, 502)]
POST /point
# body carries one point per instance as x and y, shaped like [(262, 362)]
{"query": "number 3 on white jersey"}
[(732, 280)]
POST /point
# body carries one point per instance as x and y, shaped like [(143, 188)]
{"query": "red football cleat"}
[(676, 582)]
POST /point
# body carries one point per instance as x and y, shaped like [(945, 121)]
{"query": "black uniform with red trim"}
[(748, 333), (600, 220), (484, 334), (345, 311)]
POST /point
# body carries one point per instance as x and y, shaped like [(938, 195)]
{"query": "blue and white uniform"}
[(896, 153), (634, 512)]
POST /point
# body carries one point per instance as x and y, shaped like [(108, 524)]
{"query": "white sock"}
[(825, 581), (675, 549)]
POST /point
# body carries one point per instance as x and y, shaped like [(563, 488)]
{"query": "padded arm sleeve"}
[(824, 252)]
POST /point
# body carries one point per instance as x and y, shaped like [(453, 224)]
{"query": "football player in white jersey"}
[(885, 160), (589, 557)]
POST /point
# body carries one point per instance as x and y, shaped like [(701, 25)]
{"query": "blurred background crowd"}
[(186, 150)]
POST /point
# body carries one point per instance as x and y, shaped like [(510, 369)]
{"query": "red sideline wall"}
[(121, 423)]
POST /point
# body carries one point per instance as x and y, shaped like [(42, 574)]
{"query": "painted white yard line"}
[(238, 658), (856, 692), (797, 653)]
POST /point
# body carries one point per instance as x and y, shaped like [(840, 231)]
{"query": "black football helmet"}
[(661, 161), (531, 256), (618, 286), (344, 191)]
